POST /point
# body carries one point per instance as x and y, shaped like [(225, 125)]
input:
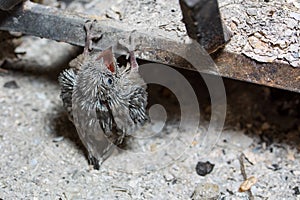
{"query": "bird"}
[(105, 102)]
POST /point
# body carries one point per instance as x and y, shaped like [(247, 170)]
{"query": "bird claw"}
[(95, 162), (133, 62), (90, 36)]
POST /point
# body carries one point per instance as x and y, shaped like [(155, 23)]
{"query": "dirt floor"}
[(43, 158)]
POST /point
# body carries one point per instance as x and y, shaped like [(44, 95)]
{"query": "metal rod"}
[(38, 20)]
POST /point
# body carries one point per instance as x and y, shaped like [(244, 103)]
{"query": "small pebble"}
[(58, 139), (275, 167), (251, 11), (295, 15), (296, 191), (247, 184), (208, 191), (33, 162), (168, 177), (11, 85), (204, 168), (265, 126)]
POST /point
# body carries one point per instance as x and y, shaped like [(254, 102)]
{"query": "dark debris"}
[(11, 85), (296, 191), (275, 167), (204, 168)]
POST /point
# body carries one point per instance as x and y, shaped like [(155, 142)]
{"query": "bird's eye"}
[(109, 81)]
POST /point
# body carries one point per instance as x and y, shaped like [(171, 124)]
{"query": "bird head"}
[(108, 88)]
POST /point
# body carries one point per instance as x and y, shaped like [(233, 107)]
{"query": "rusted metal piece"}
[(55, 24), (43, 21), (203, 23), (8, 4), (276, 75)]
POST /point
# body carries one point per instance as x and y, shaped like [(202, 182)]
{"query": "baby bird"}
[(105, 103)]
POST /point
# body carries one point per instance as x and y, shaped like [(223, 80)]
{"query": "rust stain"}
[(270, 74)]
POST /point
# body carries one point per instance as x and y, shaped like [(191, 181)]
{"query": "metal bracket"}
[(203, 23)]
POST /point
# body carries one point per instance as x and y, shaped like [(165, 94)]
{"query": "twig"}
[(243, 172)]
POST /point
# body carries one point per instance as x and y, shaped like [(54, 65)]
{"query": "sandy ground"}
[(42, 157)]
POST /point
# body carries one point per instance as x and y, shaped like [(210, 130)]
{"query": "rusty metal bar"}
[(276, 75), (203, 23), (8, 4), (55, 24), (59, 25)]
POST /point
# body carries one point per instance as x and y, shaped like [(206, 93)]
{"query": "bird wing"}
[(90, 130)]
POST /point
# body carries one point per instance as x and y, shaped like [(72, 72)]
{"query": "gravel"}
[(42, 156)]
